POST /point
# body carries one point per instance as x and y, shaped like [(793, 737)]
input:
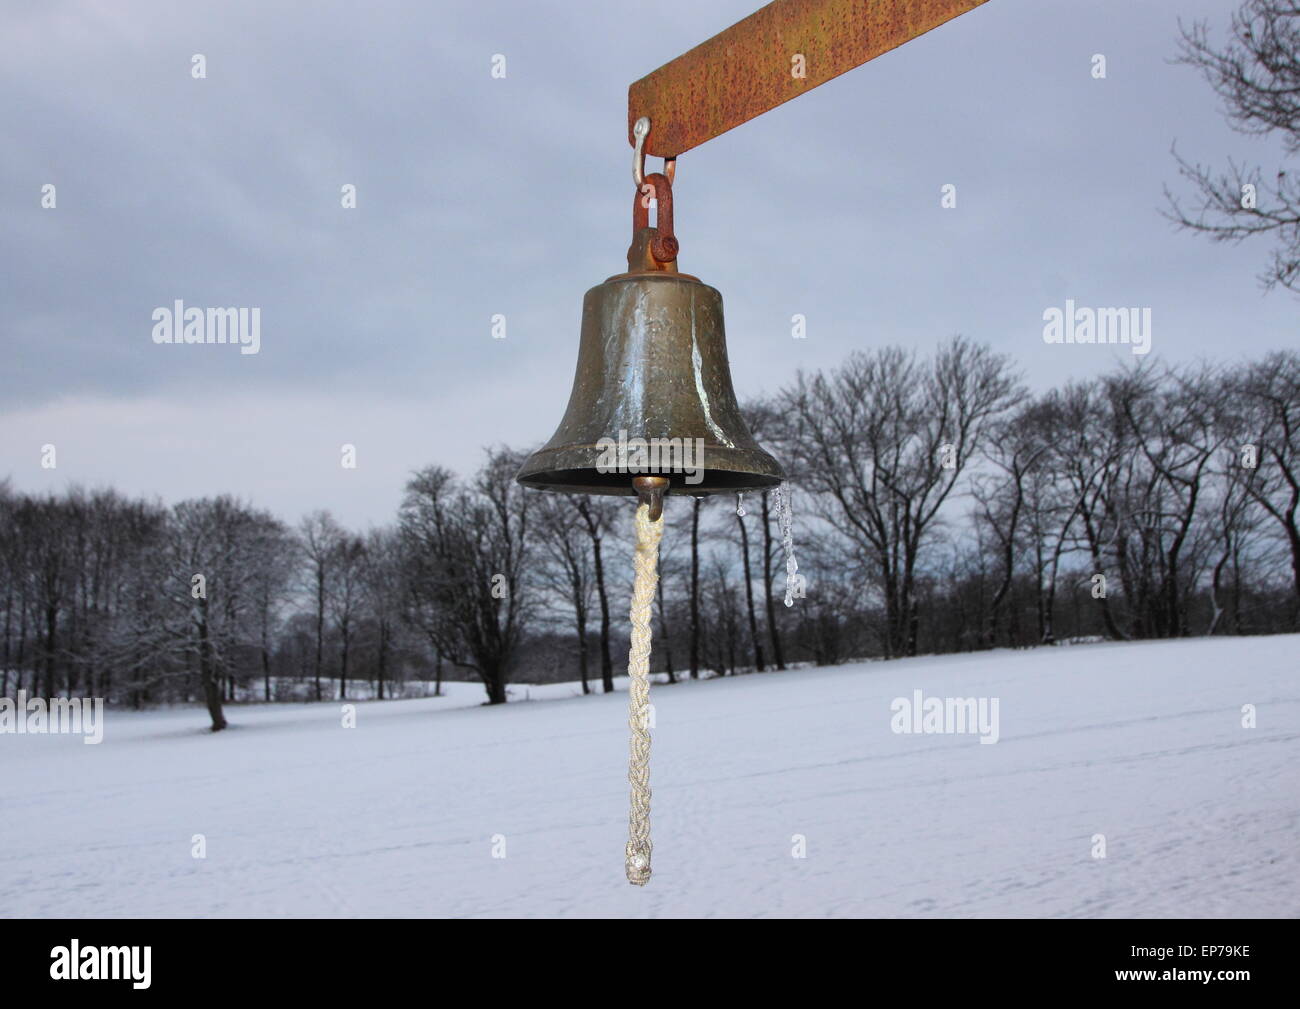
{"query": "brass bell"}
[(652, 395)]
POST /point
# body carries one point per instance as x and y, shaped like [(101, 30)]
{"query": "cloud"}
[(478, 196)]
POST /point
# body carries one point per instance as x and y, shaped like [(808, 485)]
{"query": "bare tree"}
[(1235, 531), (665, 646), (755, 642), (273, 563), (720, 617), (44, 529), (597, 515), (1174, 419), (881, 443), (1088, 445), (381, 578), (1268, 433), (1256, 74), (1016, 448), (765, 423), (347, 574), (10, 590), (567, 552), (769, 594), (466, 550), (205, 573), (1053, 492), (696, 505), (318, 536)]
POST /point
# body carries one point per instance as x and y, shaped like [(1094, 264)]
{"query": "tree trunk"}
[(1094, 551), (773, 632), (731, 647), (320, 629), (606, 659), (266, 655), (749, 595), (1008, 566), (580, 618), (495, 684), (9, 607), (893, 613), (1038, 594), (665, 644), (1216, 581), (207, 674), (1293, 540), (695, 589), (343, 663), (51, 628), (22, 645)]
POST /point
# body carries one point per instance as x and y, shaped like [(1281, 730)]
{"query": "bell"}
[(652, 396)]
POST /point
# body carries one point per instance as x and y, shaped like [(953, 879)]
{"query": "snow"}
[(1142, 743)]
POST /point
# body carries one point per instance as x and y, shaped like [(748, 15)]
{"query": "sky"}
[(479, 196)]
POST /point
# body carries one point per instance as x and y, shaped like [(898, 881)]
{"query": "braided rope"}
[(646, 560)]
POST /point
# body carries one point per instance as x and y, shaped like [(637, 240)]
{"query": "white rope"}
[(646, 560)]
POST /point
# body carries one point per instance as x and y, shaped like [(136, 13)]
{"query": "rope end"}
[(637, 867)]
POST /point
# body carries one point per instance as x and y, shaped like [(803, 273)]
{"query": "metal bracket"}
[(777, 53)]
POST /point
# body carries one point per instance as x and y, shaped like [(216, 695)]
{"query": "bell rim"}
[(704, 489), (734, 469)]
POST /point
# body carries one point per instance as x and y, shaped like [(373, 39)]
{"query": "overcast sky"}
[(478, 196)]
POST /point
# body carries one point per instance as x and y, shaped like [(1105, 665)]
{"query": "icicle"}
[(786, 519), (740, 503)]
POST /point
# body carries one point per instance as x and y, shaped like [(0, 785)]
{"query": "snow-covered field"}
[(1141, 743)]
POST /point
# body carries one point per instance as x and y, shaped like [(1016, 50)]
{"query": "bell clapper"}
[(740, 503), (650, 490)]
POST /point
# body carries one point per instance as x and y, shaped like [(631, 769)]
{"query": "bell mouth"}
[(724, 470)]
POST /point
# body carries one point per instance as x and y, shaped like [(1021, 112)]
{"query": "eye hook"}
[(640, 130)]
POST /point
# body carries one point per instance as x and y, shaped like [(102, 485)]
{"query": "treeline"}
[(938, 507)]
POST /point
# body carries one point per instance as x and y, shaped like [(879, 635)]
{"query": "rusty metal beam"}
[(749, 68)]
